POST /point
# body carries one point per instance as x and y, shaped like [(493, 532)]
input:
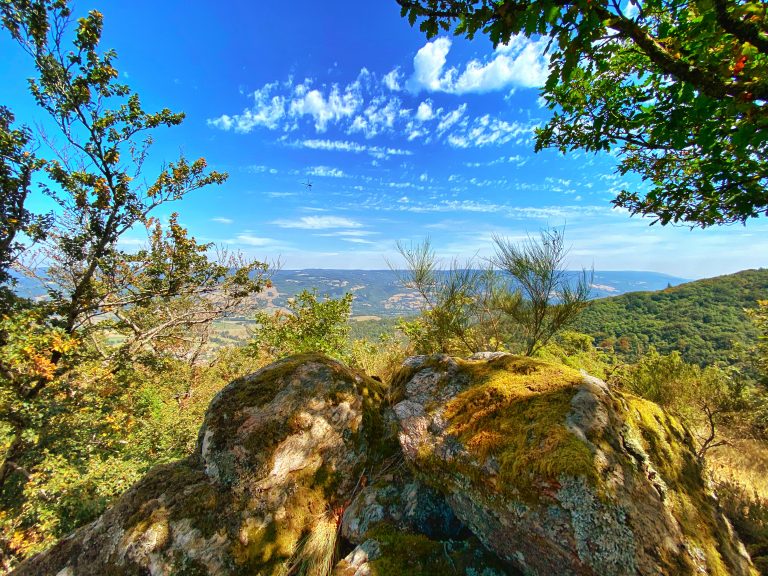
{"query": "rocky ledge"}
[(495, 465)]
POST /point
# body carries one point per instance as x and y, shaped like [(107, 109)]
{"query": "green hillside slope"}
[(703, 320)]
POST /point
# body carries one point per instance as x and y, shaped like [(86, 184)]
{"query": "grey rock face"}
[(494, 466), (279, 452), (557, 474)]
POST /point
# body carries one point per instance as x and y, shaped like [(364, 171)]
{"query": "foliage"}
[(699, 397), (17, 165), (550, 302), (759, 355), (748, 514), (379, 358), (104, 429), (469, 309), (309, 325), (96, 382), (453, 299), (703, 320), (677, 89), (577, 351)]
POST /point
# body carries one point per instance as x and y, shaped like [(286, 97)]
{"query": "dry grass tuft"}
[(316, 553)]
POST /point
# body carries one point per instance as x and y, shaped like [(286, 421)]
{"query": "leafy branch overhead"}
[(678, 90)]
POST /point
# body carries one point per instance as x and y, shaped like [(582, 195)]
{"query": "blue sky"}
[(400, 137)]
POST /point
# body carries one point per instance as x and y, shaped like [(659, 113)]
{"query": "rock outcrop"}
[(279, 453), (557, 474), (491, 466)]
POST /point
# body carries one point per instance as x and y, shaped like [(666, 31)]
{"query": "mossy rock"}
[(557, 474), (280, 453)]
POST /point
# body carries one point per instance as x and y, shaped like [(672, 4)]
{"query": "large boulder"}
[(494, 466), (557, 474), (279, 454)]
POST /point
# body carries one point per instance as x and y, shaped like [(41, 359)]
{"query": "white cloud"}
[(261, 169), (383, 153), (336, 145), (451, 118), (326, 172), (424, 112), (266, 111), (319, 223), (521, 62), (379, 152), (251, 240), (337, 105), (517, 159), (392, 80), (351, 233), (366, 107), (488, 130), (428, 66), (221, 220), (357, 240), (378, 117)]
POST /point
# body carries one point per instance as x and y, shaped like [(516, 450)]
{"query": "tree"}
[(464, 304), (700, 397), (677, 89), (17, 165), (471, 309), (103, 302), (550, 302), (309, 325)]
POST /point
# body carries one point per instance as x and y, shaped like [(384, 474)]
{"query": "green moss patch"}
[(669, 447), (515, 410), (408, 554), (267, 549)]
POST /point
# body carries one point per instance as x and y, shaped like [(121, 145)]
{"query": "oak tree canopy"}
[(678, 89)]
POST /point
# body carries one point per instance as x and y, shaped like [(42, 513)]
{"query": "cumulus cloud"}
[(378, 117), (266, 111), (424, 111), (368, 107), (271, 110), (319, 223), (336, 105), (521, 62), (428, 67), (392, 80), (488, 130)]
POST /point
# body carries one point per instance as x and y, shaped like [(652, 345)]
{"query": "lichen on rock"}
[(279, 453), (496, 465), (557, 474)]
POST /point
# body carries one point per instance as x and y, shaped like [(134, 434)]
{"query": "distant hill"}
[(703, 320), (380, 293)]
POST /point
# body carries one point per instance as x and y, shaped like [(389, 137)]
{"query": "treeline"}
[(705, 321)]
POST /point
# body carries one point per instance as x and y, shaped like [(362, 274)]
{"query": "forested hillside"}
[(703, 320)]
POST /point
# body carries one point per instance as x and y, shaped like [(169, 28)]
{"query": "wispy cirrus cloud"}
[(326, 172), (222, 220), (319, 223), (379, 152), (249, 239)]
